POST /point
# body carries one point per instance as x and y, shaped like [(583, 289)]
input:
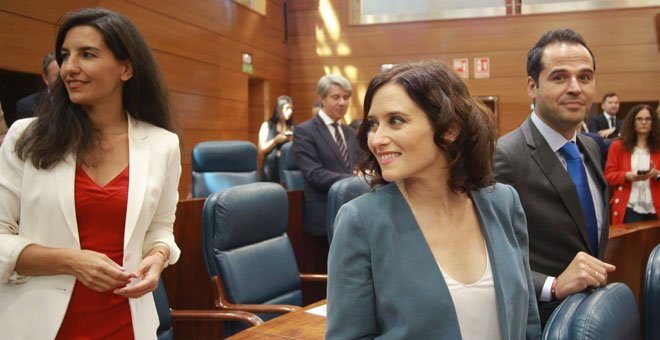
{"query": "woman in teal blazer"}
[(438, 250)]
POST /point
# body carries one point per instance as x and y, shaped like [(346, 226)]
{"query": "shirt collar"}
[(607, 115), (554, 138), (326, 119)]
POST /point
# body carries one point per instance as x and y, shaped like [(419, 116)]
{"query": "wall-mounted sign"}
[(247, 62), (462, 67), (481, 68)]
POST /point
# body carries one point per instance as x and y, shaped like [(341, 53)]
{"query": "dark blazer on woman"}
[(383, 280)]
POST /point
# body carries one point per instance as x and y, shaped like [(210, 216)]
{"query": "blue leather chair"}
[(290, 174), (341, 192), (222, 164), (652, 296), (165, 314), (559, 322), (248, 255), (607, 313)]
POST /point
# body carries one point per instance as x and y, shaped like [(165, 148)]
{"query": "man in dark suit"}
[(325, 149), (567, 218), (607, 125), (50, 71)]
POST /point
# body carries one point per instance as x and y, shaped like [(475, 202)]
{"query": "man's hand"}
[(583, 272), (606, 132)]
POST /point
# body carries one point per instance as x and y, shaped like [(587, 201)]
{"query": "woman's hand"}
[(97, 271), (632, 176), (282, 138), (146, 275)]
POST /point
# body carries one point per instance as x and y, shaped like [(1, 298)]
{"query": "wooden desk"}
[(295, 325), (628, 248)]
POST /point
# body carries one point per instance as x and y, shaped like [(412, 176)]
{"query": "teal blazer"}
[(383, 281)]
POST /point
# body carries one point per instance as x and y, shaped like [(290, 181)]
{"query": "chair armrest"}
[(222, 315), (314, 277), (261, 309)]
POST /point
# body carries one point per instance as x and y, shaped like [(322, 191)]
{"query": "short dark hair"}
[(64, 127), (445, 99), (607, 95), (629, 135), (48, 58), (565, 35)]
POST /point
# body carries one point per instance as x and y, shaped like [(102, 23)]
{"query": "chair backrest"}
[(221, 164), (609, 312), (652, 296), (244, 242), (341, 192), (560, 320), (290, 174), (164, 331)]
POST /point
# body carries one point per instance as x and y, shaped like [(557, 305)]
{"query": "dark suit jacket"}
[(557, 230), (599, 122), (384, 281), (26, 105), (319, 160)]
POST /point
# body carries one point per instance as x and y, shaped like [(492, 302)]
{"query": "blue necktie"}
[(579, 176)]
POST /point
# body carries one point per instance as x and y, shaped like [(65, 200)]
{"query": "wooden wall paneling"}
[(18, 52), (189, 76), (257, 101), (47, 11), (629, 86), (234, 115), (195, 111), (167, 34), (233, 85)]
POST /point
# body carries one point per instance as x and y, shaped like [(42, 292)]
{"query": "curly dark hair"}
[(64, 127), (445, 99), (629, 135)]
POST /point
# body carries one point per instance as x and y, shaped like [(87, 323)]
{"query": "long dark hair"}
[(629, 135), (278, 113), (64, 127), (445, 99)]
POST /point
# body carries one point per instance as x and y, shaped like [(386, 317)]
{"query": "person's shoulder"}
[(511, 139), (306, 124), (155, 132), (497, 193)]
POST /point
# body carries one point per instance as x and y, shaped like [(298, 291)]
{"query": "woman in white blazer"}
[(107, 123)]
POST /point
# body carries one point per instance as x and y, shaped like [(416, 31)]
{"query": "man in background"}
[(50, 71), (606, 124), (325, 149), (557, 172)]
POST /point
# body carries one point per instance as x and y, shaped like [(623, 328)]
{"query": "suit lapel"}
[(138, 160), (322, 130), (500, 274), (65, 176), (556, 174)]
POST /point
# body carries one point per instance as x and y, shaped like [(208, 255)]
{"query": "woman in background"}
[(438, 250), (272, 134), (632, 167), (88, 191)]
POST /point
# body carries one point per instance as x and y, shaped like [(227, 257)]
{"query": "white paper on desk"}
[(320, 310)]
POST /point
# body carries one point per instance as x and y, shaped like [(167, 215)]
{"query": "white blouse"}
[(475, 305), (640, 199)]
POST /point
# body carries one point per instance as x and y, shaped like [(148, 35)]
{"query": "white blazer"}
[(37, 206)]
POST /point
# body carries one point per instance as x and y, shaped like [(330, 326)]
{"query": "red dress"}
[(101, 216)]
